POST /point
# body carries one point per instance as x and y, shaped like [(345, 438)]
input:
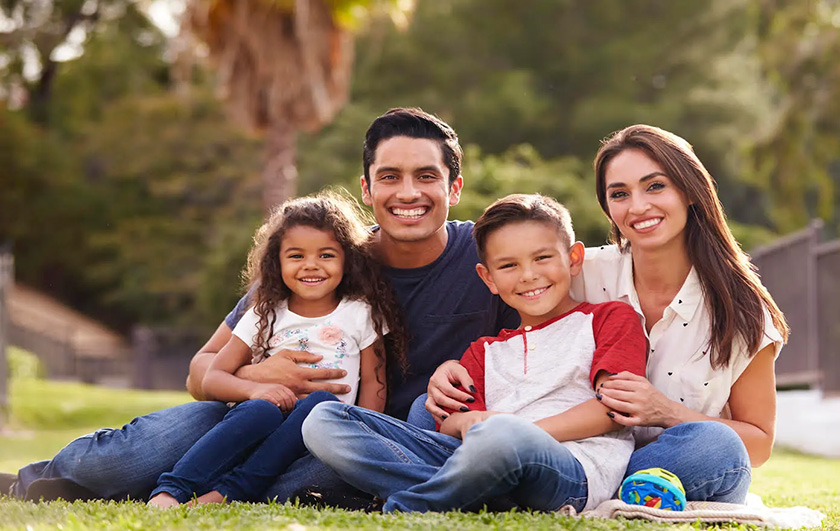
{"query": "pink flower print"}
[(331, 334)]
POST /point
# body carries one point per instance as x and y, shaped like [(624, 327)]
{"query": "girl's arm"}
[(372, 387), (220, 383), (752, 402)]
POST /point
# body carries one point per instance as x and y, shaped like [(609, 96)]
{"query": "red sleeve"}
[(620, 342), (473, 361)]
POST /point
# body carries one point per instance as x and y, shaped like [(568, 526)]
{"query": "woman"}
[(706, 410)]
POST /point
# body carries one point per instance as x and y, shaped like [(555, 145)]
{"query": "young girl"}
[(316, 288)]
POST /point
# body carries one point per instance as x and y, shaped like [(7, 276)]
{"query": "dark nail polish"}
[(471, 400), (610, 414), (464, 409), (598, 396), (472, 388), (444, 417)]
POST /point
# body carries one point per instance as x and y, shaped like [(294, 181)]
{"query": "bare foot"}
[(163, 501), (211, 497)]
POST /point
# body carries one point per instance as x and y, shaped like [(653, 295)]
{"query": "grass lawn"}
[(46, 415)]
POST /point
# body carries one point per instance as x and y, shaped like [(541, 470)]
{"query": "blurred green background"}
[(130, 190)]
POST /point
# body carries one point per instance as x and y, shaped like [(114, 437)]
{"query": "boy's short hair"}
[(522, 207), (413, 123)]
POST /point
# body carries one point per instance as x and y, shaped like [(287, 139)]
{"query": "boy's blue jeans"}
[(422, 470), (127, 462), (243, 454)]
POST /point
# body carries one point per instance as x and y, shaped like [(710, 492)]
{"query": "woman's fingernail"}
[(464, 409), (598, 396), (471, 400), (472, 388), (444, 417), (610, 414)]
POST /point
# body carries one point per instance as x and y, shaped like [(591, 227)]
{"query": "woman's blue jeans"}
[(422, 470), (244, 453)]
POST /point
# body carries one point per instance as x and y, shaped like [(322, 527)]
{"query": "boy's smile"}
[(531, 268)]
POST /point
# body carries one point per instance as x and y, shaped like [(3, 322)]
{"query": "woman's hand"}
[(279, 395), (443, 389), (634, 401)]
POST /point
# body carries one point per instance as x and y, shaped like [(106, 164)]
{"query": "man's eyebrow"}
[(643, 179)]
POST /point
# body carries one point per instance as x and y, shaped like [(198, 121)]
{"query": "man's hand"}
[(458, 424), (443, 389), (282, 368), (279, 395)]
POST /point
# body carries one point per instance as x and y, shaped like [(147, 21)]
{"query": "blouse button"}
[(527, 328)]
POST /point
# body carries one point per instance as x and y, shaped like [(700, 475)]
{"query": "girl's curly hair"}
[(340, 215)]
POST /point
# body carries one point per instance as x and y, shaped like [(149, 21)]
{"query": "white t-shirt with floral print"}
[(339, 337)]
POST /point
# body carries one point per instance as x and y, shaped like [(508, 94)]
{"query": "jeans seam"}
[(387, 441), (739, 470)]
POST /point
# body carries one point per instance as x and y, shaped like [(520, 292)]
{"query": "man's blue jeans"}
[(422, 470), (127, 462), (244, 453)]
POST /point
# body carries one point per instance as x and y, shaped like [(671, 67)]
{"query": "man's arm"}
[(202, 359)]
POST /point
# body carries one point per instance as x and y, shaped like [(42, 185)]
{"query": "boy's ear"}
[(576, 252), (484, 273)]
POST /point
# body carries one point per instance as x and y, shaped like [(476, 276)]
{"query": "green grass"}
[(46, 415)]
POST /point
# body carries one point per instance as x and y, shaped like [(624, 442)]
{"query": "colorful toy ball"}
[(653, 487)]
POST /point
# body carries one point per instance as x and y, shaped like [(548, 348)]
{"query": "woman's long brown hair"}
[(734, 294), (362, 280)]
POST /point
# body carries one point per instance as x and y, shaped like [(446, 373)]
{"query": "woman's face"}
[(648, 208)]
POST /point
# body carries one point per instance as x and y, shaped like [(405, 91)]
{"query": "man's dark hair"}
[(522, 207), (413, 122)]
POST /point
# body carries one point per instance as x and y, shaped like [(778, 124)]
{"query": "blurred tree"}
[(796, 156), (39, 34), (284, 66)]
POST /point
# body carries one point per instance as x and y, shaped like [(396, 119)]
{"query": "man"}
[(412, 176)]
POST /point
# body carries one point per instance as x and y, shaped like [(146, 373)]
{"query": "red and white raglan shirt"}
[(541, 371)]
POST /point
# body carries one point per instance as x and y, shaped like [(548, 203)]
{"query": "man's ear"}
[(576, 253), (366, 199), (484, 273), (455, 191)]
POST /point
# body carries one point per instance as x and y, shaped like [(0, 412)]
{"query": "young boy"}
[(535, 430)]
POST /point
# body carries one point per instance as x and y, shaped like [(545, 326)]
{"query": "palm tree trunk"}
[(280, 173)]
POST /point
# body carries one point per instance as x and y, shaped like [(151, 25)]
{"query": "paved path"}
[(809, 423)]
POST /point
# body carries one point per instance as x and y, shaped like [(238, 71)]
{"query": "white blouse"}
[(678, 364)]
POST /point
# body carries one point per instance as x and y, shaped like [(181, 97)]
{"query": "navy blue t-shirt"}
[(446, 307)]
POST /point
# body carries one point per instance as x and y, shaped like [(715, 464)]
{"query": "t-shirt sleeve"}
[(473, 361), (367, 332), (246, 327), (620, 342), (239, 310)]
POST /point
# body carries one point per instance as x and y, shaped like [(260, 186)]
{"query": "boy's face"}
[(530, 267), (409, 188)]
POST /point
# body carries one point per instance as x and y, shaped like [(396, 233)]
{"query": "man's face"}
[(409, 189)]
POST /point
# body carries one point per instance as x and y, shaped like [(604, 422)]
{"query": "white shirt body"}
[(339, 337)]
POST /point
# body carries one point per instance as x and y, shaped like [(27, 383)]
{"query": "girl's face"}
[(645, 204), (312, 266)]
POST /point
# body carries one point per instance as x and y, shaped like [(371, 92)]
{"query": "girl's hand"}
[(634, 401), (279, 395), (443, 392)]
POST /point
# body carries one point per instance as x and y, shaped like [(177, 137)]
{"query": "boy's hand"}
[(458, 424), (279, 395), (282, 368), (443, 389)]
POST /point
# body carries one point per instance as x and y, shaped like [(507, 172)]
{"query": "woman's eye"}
[(656, 186), (618, 194)]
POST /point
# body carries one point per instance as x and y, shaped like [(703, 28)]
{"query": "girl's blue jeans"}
[(243, 454), (422, 470), (409, 466)]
